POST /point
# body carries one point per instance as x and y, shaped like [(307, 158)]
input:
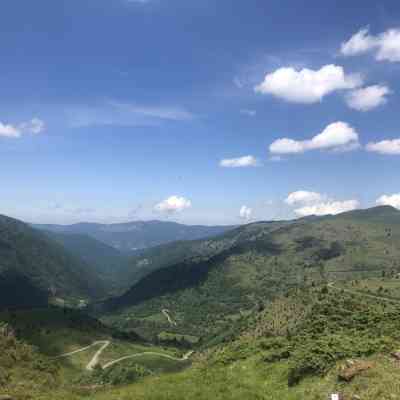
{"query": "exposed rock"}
[(353, 368), (396, 355)]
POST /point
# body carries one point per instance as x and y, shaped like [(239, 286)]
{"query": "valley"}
[(267, 310)]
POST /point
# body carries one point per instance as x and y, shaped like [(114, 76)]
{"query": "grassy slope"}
[(326, 328)]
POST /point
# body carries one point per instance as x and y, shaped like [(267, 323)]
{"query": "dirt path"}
[(105, 343), (170, 320), (95, 360), (184, 358)]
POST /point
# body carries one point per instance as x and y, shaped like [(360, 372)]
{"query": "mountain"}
[(104, 261), (32, 266), (131, 236), (145, 261), (258, 263)]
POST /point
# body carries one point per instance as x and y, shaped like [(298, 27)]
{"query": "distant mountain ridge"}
[(131, 236)]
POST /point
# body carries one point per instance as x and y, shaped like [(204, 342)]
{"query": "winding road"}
[(170, 320), (184, 358), (105, 343)]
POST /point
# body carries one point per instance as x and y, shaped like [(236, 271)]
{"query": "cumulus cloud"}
[(385, 147), (303, 197), (173, 204), (359, 43), (336, 136), (328, 208), (389, 200), (240, 162), (306, 85), (386, 45), (34, 126), (367, 98), (313, 203), (245, 213)]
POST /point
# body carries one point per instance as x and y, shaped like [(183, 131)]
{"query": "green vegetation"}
[(177, 340), (39, 267), (120, 374), (254, 265), (105, 262)]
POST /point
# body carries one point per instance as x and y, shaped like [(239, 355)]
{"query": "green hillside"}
[(206, 293), (38, 267), (106, 262), (145, 261)]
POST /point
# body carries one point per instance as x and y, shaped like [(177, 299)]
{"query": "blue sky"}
[(197, 111)]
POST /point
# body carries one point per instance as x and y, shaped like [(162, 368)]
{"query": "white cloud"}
[(367, 98), (328, 208), (336, 136), (34, 126), (9, 130), (306, 85), (389, 46), (385, 147), (313, 203), (389, 200), (303, 197), (173, 204), (385, 45), (359, 43), (249, 113), (240, 162), (245, 213)]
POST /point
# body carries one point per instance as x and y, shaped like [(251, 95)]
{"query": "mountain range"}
[(131, 236), (255, 263)]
